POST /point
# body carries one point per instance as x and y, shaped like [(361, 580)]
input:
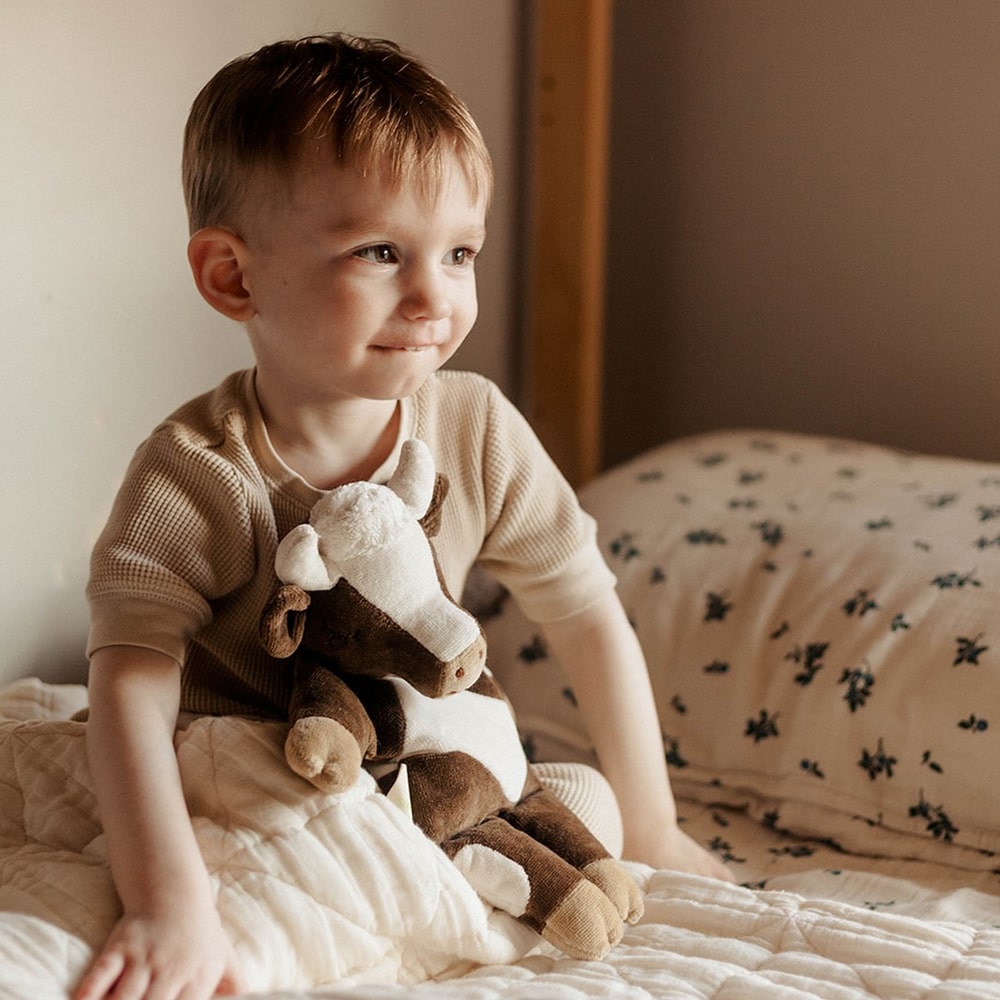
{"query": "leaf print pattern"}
[(534, 651), (968, 650), (705, 537), (974, 724), (624, 547), (878, 763), (939, 825), (771, 533), (953, 580), (899, 622), (671, 749), (716, 607), (763, 727), (860, 604), (810, 658), (811, 767), (860, 683)]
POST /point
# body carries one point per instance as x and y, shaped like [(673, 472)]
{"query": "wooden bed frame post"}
[(570, 80)]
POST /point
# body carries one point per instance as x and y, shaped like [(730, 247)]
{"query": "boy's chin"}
[(401, 387)]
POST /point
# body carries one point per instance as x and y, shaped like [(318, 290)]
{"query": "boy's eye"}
[(461, 256), (381, 253)]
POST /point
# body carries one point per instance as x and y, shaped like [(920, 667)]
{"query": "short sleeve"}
[(179, 537), (540, 543)]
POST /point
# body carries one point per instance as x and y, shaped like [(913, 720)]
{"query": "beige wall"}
[(805, 225), (102, 331)]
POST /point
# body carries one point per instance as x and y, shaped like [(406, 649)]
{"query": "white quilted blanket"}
[(313, 888), (698, 940), (344, 898)]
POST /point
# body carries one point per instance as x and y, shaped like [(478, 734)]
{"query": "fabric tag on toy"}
[(399, 794)]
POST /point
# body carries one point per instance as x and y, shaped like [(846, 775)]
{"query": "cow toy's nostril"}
[(460, 672)]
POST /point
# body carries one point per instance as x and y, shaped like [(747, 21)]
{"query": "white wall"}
[(102, 331)]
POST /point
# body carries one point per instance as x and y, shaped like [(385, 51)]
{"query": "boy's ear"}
[(216, 257)]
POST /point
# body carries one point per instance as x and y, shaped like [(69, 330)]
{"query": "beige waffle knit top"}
[(185, 564)]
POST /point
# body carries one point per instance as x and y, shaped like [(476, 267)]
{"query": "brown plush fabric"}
[(283, 623), (450, 793)]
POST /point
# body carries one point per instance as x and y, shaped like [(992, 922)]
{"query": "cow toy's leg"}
[(514, 872), (549, 821), (534, 859)]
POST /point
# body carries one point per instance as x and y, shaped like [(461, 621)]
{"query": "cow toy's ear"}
[(283, 622), (300, 561), (431, 521)]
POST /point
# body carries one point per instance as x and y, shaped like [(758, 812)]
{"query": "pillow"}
[(821, 621)]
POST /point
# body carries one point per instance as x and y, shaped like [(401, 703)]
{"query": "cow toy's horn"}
[(413, 480)]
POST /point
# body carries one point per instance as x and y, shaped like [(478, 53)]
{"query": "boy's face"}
[(360, 289)]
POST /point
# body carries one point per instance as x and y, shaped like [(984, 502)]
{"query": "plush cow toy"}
[(389, 671)]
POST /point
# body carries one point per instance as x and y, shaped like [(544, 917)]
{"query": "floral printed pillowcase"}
[(822, 625)]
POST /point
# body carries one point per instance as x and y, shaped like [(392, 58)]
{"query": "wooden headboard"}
[(571, 78)]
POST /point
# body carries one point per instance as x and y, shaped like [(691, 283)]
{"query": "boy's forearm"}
[(606, 667), (154, 857)]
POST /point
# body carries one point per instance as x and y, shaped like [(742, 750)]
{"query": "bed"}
[(819, 619)]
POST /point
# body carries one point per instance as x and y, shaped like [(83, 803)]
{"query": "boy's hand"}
[(676, 851), (150, 958)]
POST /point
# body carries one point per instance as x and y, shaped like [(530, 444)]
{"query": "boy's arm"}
[(170, 937), (605, 665)]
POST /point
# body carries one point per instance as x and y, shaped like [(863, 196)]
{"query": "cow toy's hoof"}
[(618, 886), (585, 925), (323, 752)]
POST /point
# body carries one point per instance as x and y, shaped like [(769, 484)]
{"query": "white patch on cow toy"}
[(498, 880), (481, 726)]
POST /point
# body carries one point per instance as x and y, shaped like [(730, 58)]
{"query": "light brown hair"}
[(375, 107)]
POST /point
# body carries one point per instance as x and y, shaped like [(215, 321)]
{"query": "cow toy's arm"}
[(331, 731)]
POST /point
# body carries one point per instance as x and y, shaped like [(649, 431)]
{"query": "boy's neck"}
[(340, 443)]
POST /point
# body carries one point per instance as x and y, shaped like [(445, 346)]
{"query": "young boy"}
[(337, 195)]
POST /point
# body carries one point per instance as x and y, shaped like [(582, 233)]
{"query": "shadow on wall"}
[(805, 222)]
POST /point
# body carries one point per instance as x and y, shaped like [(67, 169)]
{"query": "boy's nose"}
[(426, 296)]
